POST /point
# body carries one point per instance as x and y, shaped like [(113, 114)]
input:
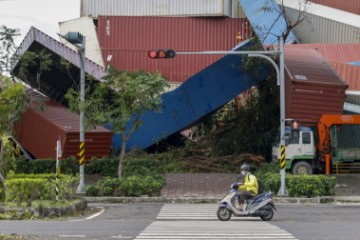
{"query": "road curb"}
[(277, 200)]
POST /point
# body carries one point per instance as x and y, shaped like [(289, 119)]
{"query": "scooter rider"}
[(248, 188)]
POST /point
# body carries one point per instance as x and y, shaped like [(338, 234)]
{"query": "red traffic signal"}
[(295, 125), (161, 53)]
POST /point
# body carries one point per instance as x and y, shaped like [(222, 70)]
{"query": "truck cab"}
[(300, 151)]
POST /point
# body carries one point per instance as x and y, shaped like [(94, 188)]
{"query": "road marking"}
[(122, 237), (199, 222), (72, 236), (90, 217)]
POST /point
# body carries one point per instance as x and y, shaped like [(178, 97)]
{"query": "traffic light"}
[(161, 53), (295, 127)]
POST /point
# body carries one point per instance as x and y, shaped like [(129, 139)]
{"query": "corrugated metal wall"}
[(95, 8), (318, 29), (202, 94), (345, 5), (37, 131), (312, 86), (125, 42), (86, 27)]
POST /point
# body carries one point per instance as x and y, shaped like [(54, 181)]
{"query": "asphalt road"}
[(127, 221)]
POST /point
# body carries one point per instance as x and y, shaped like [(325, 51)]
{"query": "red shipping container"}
[(125, 42), (345, 5), (37, 131), (312, 87)]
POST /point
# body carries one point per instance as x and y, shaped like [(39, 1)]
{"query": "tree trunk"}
[(122, 156), (2, 179)]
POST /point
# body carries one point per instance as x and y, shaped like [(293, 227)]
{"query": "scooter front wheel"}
[(223, 214)]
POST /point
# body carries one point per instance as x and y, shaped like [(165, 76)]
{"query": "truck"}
[(310, 149)]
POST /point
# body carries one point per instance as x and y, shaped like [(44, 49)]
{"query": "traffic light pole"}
[(281, 81)]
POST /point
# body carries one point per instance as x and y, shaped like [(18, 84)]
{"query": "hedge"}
[(301, 185), (27, 189)]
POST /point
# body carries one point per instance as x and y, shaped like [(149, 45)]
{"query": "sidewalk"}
[(211, 188)]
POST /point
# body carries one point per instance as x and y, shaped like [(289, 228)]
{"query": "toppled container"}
[(312, 87), (37, 131)]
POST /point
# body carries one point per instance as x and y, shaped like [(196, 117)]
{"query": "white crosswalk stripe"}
[(197, 221)]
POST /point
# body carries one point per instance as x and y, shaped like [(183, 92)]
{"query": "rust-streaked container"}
[(37, 131), (125, 42), (312, 87), (345, 5)]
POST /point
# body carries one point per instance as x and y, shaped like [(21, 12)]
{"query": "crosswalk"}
[(199, 221)]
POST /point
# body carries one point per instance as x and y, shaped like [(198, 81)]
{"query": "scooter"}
[(260, 205)]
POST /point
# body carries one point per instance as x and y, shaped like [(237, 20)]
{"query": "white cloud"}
[(42, 14)]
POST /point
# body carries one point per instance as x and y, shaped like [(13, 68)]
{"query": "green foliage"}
[(266, 168), (41, 187), (301, 185), (7, 47), (255, 127), (37, 62), (104, 166), (136, 186), (142, 167)]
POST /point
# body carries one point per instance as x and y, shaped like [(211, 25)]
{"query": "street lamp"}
[(78, 40)]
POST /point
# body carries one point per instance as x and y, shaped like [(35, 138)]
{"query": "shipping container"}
[(200, 8), (125, 42), (336, 52), (312, 87), (323, 24), (345, 5), (38, 130), (86, 27), (55, 82), (339, 56), (267, 21), (349, 73)]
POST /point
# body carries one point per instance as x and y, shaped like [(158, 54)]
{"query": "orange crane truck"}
[(306, 152)]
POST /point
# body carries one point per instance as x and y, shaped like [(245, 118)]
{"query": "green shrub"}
[(301, 185), (25, 189), (92, 190), (105, 166), (141, 167), (136, 186)]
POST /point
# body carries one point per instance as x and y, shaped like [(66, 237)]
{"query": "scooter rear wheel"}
[(223, 214), (268, 216)]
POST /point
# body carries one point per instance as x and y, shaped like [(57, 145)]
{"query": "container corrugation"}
[(324, 25), (348, 136), (349, 73), (123, 45), (353, 97), (312, 87), (37, 131), (347, 5), (86, 27), (342, 53), (199, 96), (237, 11), (95, 8), (266, 20)]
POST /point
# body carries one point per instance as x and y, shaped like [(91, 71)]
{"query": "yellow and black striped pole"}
[(82, 153), (282, 157)]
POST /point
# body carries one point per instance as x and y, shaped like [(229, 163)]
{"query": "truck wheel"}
[(302, 167)]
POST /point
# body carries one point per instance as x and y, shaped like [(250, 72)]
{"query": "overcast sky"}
[(42, 14)]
